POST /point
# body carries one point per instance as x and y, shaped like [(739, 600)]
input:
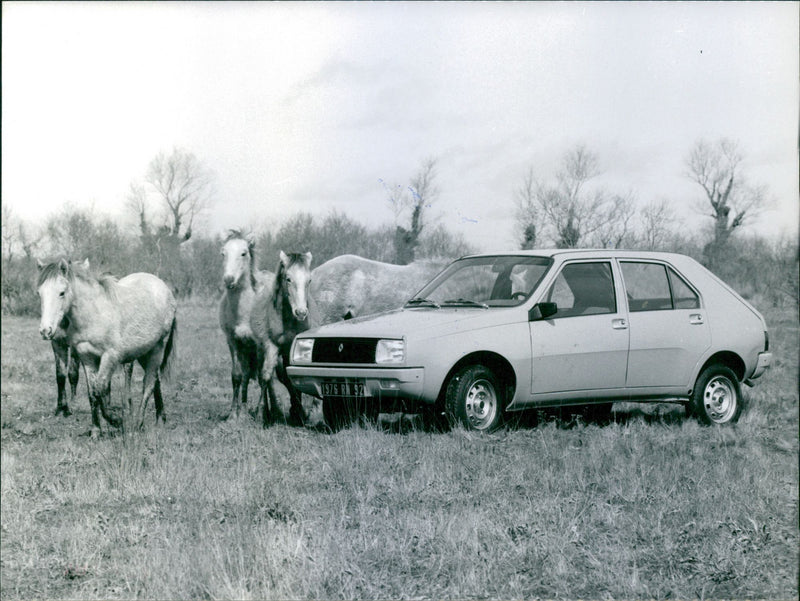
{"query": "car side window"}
[(583, 289), (683, 297), (655, 287)]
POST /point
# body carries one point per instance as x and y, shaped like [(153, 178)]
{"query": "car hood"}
[(418, 322)]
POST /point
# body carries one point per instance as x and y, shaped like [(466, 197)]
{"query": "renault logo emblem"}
[(341, 348)]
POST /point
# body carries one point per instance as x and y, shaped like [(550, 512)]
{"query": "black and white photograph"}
[(400, 300)]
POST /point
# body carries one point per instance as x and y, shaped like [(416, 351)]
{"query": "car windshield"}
[(484, 282)]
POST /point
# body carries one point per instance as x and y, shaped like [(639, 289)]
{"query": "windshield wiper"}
[(466, 302), (422, 301)]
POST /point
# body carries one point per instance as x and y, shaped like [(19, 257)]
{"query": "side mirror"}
[(541, 311)]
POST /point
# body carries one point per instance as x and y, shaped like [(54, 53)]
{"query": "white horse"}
[(242, 281), (351, 286), (109, 322)]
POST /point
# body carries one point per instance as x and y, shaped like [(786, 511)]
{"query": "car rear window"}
[(655, 287)]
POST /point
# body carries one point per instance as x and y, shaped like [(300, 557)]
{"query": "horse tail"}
[(169, 349)]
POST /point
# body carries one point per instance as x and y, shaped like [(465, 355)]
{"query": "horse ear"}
[(40, 264), (284, 258), (86, 265), (63, 266), (308, 256), (251, 240)]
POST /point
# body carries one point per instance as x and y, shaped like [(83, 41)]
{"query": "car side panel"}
[(735, 325)]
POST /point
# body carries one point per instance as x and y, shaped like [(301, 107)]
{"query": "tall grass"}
[(651, 506)]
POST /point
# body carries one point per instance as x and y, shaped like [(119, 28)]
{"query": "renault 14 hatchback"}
[(495, 333)]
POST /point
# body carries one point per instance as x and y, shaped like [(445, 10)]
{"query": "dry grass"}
[(653, 506)]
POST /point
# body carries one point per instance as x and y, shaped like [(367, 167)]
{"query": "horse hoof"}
[(63, 410)]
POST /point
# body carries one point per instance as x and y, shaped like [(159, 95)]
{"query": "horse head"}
[(237, 259), (55, 294), (292, 281)]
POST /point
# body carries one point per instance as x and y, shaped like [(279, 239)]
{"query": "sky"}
[(318, 106)]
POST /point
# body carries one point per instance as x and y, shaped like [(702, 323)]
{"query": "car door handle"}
[(619, 324), (696, 319)]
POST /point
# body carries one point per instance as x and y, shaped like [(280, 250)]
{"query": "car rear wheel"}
[(473, 399), (717, 396)]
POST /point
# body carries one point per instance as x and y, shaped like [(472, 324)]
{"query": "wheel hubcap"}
[(719, 399), (481, 404)]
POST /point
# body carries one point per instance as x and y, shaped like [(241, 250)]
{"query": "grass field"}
[(653, 506)]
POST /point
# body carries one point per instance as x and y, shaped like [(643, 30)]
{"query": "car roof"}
[(581, 253)]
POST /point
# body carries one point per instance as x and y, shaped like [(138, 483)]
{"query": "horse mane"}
[(238, 234), (107, 281)]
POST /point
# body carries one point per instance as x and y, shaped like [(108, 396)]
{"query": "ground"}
[(651, 506)]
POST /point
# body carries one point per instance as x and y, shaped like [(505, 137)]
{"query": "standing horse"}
[(279, 314), (67, 362), (242, 282), (109, 322), (351, 286)]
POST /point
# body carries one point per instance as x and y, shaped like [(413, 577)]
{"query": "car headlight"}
[(390, 351), (302, 350)]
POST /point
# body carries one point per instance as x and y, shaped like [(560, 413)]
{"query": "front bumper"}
[(764, 361), (380, 383)]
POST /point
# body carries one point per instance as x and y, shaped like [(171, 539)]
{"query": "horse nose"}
[(228, 279), (301, 314), (46, 332)]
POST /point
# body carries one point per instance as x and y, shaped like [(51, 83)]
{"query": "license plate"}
[(344, 388)]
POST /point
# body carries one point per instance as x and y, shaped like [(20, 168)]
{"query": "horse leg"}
[(245, 389), (105, 395), (159, 401), (90, 367), (151, 363), (128, 378), (73, 372), (270, 399), (108, 363), (297, 415), (236, 379), (61, 354)]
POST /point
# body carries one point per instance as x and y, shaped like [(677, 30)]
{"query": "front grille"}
[(344, 350)]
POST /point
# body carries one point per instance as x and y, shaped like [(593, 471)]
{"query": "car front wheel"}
[(717, 396), (473, 399)]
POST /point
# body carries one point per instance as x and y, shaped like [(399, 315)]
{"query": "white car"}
[(494, 333)]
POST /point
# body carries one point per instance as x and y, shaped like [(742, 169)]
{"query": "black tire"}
[(342, 412), (717, 397), (474, 399)]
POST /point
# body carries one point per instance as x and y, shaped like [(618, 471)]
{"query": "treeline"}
[(762, 269)]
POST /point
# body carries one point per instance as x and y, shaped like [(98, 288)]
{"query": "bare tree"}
[(409, 205), (732, 201), (9, 233), (656, 220), (184, 186), (18, 236), (573, 213), (177, 188), (528, 213)]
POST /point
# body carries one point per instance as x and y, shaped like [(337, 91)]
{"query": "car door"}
[(668, 327), (584, 346)]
